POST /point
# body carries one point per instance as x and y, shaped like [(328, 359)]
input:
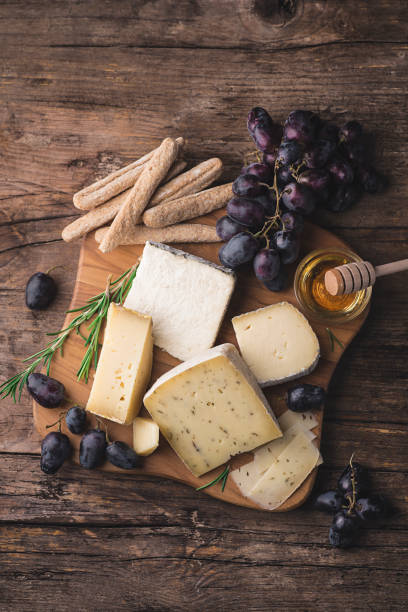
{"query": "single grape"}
[(55, 449), (289, 152), (373, 508), (361, 480), (121, 455), (344, 523), (292, 222), (76, 420), (279, 282), (319, 154), (328, 131), (341, 171), (370, 180), (240, 249), (284, 176), (305, 397), (46, 391), (288, 245), (41, 290), (301, 125), (92, 449), (248, 186), (262, 171), (350, 131), (266, 264), (330, 501), (318, 180), (268, 201), (269, 158), (342, 198), (341, 540), (265, 133), (299, 198), (247, 212), (226, 228), (357, 152)]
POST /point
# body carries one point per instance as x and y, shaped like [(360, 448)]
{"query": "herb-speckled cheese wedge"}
[(211, 408), (277, 343)]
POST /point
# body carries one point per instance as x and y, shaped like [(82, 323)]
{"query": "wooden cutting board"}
[(93, 270)]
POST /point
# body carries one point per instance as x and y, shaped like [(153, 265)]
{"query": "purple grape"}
[(41, 290), (318, 180), (292, 222), (284, 176), (92, 449), (226, 228), (328, 131), (266, 264), (330, 501), (350, 131), (289, 152), (122, 456), (76, 420), (247, 212), (248, 186), (358, 152), (301, 126), (341, 171), (305, 397), (361, 480), (46, 391), (265, 133), (268, 201), (288, 245), (269, 158), (319, 153), (262, 171), (373, 508), (299, 198), (55, 449), (341, 540), (240, 249), (370, 180), (342, 198), (344, 523), (279, 282)]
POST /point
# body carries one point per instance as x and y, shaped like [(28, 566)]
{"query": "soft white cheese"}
[(185, 295), (277, 343)]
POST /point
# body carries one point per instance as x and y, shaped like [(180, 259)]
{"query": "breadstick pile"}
[(150, 199)]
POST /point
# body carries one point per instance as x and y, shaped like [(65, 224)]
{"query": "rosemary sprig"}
[(222, 477), (333, 339), (95, 308)]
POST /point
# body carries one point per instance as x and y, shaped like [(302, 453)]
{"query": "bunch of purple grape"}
[(352, 505), (309, 163)]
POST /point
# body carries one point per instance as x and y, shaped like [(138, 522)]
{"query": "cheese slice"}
[(249, 474), (307, 420), (277, 343), (124, 366), (145, 436), (210, 408), (185, 295), (286, 474)]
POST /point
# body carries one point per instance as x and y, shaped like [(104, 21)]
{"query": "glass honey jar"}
[(312, 295)]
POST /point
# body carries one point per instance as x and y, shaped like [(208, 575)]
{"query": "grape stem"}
[(273, 220)]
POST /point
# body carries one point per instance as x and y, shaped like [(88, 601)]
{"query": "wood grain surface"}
[(88, 86), (93, 269)]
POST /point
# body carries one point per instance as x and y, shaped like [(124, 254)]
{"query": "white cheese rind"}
[(277, 342), (145, 436), (186, 296), (124, 366), (211, 408)]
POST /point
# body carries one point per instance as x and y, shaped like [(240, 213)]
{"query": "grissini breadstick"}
[(131, 211), (106, 212), (192, 181), (188, 207), (182, 232), (103, 190)]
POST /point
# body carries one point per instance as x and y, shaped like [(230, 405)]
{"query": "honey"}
[(311, 292)]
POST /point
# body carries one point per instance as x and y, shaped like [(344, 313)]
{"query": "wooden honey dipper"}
[(355, 276)]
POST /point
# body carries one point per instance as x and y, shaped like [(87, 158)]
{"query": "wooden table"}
[(88, 86)]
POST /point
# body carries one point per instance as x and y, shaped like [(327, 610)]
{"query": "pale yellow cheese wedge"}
[(124, 366), (145, 436)]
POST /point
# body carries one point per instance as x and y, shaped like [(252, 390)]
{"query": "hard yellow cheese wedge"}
[(124, 366), (145, 436)]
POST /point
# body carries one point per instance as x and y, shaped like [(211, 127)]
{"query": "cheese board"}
[(93, 269)]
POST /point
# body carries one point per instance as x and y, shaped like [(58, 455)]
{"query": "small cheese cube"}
[(211, 408), (185, 295), (277, 343), (145, 436), (124, 366)]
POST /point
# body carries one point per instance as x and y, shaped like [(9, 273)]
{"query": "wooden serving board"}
[(93, 270)]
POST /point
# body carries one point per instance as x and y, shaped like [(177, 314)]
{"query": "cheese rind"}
[(277, 342), (145, 436), (211, 408), (185, 295), (124, 366)]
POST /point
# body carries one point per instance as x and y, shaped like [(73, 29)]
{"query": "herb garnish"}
[(334, 339), (222, 477), (96, 307)]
